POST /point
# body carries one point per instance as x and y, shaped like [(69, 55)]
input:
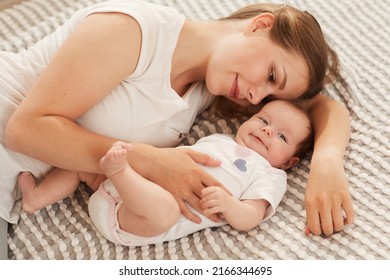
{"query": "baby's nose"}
[(267, 130)]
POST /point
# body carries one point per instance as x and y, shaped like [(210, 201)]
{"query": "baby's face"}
[(275, 132)]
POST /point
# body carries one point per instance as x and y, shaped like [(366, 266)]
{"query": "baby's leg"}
[(147, 209), (92, 180), (58, 184)]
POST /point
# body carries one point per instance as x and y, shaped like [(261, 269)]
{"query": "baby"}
[(131, 210)]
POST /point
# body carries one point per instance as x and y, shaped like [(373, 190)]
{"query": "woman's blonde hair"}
[(298, 31)]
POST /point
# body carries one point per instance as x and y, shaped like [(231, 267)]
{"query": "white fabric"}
[(64, 231), (245, 173), (141, 107)]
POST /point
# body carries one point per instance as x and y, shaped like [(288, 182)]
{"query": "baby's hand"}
[(214, 201)]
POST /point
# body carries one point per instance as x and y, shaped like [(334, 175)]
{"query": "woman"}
[(129, 70)]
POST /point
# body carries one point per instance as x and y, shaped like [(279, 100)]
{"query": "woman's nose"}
[(256, 96)]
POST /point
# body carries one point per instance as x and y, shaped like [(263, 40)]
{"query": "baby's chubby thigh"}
[(102, 211)]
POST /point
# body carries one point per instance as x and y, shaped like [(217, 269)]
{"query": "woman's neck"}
[(194, 48)]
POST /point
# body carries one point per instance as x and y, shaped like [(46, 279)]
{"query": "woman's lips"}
[(234, 90)]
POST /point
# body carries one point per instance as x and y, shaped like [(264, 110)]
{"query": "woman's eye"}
[(281, 136), (271, 75)]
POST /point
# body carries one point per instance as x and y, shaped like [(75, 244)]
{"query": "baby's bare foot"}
[(115, 159), (26, 184)]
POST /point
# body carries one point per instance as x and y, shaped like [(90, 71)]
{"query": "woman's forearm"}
[(57, 141), (327, 200), (67, 145), (331, 123)]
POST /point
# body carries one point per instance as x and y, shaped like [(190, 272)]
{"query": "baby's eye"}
[(281, 136), (264, 121), (271, 75)]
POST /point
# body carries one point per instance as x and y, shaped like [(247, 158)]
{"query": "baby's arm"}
[(240, 214)]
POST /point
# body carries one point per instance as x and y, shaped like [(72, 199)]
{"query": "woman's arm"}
[(328, 202), (97, 56), (240, 214)]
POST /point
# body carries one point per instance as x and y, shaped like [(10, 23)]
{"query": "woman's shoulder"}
[(160, 26), (142, 11)]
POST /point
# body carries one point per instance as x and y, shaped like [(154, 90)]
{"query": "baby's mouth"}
[(260, 140)]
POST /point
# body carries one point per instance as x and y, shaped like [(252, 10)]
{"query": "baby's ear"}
[(290, 163)]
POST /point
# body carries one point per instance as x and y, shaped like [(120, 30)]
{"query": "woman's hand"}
[(328, 201), (177, 171)]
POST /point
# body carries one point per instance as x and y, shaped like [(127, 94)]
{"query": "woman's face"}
[(246, 68)]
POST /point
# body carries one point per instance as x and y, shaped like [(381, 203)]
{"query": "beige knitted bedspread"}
[(359, 30)]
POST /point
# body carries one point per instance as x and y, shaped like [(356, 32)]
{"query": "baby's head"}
[(281, 132)]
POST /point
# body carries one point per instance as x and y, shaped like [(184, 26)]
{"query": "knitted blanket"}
[(360, 33)]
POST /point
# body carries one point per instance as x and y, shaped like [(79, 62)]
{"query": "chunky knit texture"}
[(64, 230)]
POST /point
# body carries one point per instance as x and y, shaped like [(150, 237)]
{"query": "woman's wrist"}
[(141, 157), (329, 153), (326, 163)]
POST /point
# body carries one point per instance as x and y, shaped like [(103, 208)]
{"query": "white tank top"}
[(143, 108)]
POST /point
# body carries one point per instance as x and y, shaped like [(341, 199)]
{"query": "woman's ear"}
[(262, 21), (290, 163)]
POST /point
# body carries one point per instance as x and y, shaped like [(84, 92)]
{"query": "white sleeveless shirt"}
[(142, 108)]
